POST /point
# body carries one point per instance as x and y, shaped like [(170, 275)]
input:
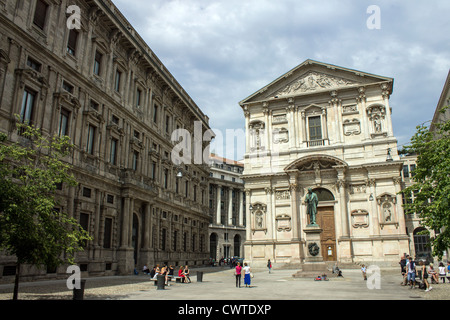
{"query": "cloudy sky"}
[(222, 51)]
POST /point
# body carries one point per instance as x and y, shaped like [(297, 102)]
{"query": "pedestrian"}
[(145, 269), (169, 275), (186, 274), (364, 270), (403, 266), (247, 275), (238, 275), (448, 271), (411, 275), (269, 265), (433, 274), (442, 272), (181, 274), (425, 276)]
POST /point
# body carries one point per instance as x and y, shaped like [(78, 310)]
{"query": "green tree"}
[(431, 182), (31, 228)]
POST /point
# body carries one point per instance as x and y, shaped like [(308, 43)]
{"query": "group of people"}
[(168, 272), (410, 269), (247, 274)]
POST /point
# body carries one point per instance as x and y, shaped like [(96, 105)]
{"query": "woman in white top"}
[(247, 273)]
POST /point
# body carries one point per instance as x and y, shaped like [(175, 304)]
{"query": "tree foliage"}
[(31, 228), (431, 183)]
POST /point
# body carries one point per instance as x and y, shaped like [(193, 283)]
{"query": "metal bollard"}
[(161, 282), (78, 294), (199, 276)]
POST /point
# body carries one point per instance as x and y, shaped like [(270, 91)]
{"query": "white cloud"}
[(221, 51)]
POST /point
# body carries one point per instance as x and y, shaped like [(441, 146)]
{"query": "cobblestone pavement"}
[(219, 284)]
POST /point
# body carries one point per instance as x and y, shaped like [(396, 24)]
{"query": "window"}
[(113, 152), (90, 139), (87, 192), (167, 123), (412, 167), (166, 178), (155, 113), (97, 63), (26, 111), (163, 239), (94, 105), (64, 117), (186, 188), (110, 199), (175, 240), (117, 81), (115, 120), (135, 160), (68, 87), (107, 233), (72, 42), (405, 171), (315, 128), (40, 14), (33, 64), (153, 170), (138, 97)]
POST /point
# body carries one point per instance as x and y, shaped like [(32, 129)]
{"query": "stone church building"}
[(327, 128)]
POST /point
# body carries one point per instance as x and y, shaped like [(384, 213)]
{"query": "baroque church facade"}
[(327, 128)]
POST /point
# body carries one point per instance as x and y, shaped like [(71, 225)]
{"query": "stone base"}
[(312, 270)]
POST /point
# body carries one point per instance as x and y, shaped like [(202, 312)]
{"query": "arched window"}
[(323, 194), (422, 244)]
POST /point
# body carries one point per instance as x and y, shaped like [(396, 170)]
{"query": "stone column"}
[(295, 224), (125, 223), (248, 233), (374, 208), (343, 207), (219, 199), (399, 200), (291, 124), (241, 209), (230, 207), (266, 126)]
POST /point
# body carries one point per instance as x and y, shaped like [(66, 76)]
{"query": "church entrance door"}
[(325, 219)]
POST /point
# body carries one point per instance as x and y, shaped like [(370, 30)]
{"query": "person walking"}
[(247, 275), (238, 274), (364, 272), (425, 276), (269, 265)]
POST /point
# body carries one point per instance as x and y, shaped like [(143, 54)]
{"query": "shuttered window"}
[(40, 14)]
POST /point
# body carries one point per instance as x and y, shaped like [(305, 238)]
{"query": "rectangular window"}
[(68, 87), (315, 128), (84, 221), (412, 167), (26, 111), (117, 81), (138, 97), (33, 64), (108, 233), (64, 123), (405, 171), (167, 123), (166, 178), (90, 139), (72, 42), (94, 105), (163, 239), (153, 170), (97, 63), (113, 154), (40, 14), (155, 113), (87, 192), (135, 160), (186, 189)]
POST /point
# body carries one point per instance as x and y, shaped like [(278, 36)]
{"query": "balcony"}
[(318, 143)]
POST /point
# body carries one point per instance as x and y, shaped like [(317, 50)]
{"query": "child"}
[(364, 270)]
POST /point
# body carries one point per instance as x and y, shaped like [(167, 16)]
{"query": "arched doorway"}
[(135, 237), (325, 219), (422, 245), (213, 242), (237, 246)]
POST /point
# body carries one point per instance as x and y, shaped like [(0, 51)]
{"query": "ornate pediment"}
[(314, 81)]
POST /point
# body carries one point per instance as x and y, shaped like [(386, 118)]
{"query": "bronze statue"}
[(311, 201)]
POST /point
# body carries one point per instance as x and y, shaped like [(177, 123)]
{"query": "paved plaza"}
[(219, 284)]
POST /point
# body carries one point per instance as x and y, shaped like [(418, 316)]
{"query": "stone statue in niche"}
[(377, 125), (259, 220), (387, 212)]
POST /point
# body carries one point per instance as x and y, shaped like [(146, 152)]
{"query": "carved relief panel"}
[(283, 223), (387, 208), (259, 211)]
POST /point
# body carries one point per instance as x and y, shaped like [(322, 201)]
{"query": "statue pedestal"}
[(314, 264)]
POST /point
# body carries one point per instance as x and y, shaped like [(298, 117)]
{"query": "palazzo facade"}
[(226, 208), (327, 128), (101, 85)]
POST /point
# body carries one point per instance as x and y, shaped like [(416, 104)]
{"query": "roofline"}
[(308, 62), (441, 101)]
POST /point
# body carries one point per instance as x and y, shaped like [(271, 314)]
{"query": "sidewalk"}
[(219, 284)]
